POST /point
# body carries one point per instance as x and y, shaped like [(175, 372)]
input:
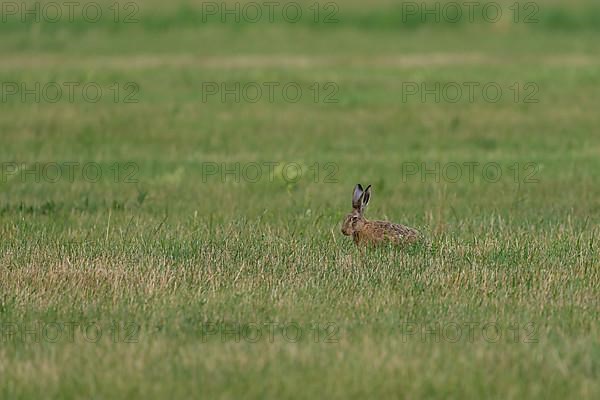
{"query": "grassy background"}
[(175, 252)]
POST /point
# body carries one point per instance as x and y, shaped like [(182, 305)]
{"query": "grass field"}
[(174, 275)]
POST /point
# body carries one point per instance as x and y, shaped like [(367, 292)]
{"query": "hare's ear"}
[(356, 196), (366, 196)]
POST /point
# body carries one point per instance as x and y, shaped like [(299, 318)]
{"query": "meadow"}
[(177, 234)]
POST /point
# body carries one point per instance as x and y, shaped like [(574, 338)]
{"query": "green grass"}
[(168, 258)]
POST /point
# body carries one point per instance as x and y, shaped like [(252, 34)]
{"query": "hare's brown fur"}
[(380, 231), (368, 232)]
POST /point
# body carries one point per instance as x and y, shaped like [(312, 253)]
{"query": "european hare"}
[(373, 232)]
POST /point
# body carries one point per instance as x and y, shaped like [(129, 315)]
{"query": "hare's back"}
[(398, 231)]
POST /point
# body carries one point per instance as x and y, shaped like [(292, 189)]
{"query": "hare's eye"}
[(354, 218)]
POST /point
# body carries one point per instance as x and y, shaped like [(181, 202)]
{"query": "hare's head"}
[(355, 221)]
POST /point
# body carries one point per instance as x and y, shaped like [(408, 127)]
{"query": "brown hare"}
[(368, 232)]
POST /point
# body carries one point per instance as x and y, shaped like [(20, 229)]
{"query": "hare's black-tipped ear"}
[(356, 196), (366, 196)]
